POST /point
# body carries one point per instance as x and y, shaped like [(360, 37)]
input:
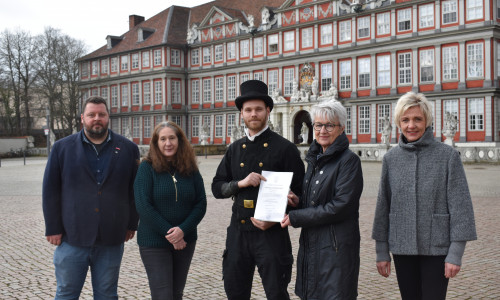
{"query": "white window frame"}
[(451, 106), (364, 72), (231, 87), (272, 81), (124, 63), (404, 20), (219, 88), (258, 46), (145, 59), (244, 48), (475, 60), (273, 46), (136, 99), (231, 122), (104, 93), (326, 76), (231, 50), (426, 15), (364, 27), (450, 12), (384, 70), (384, 23), (136, 127), (195, 57), (195, 91), (175, 57), (135, 61), (125, 125), (348, 120), (364, 119), (289, 40), (474, 9), (219, 53), (450, 63), (176, 91), (258, 76), (326, 34), (157, 57), (114, 64), (345, 31), (95, 67), (147, 127), (207, 90), (218, 125), (114, 96), (307, 40), (476, 114), (177, 120), (195, 126), (146, 93), (288, 78), (427, 65), (124, 94), (404, 68), (158, 86), (244, 77), (345, 74), (207, 58), (383, 110)]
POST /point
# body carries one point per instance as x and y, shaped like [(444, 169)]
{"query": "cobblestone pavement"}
[(27, 272)]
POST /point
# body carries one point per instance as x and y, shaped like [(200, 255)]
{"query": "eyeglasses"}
[(328, 126)]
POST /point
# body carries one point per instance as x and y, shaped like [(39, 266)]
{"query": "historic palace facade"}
[(186, 65)]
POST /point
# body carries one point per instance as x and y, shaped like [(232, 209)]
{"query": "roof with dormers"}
[(170, 25)]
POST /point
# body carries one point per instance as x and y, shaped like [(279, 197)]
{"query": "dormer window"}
[(144, 33)]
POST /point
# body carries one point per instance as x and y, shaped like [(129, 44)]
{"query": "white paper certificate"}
[(272, 198)]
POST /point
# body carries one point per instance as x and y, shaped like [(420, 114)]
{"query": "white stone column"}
[(354, 123), (462, 108), (488, 119), (462, 63), (415, 68), (438, 119), (373, 123)]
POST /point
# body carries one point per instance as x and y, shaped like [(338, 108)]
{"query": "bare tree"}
[(18, 57)]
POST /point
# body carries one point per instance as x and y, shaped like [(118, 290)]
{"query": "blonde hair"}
[(412, 99)]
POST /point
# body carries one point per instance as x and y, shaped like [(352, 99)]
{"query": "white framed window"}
[(475, 60), (195, 91), (345, 74), (426, 15), (244, 48), (427, 65), (136, 100), (115, 124), (384, 70), (177, 120), (136, 127), (384, 23), (124, 95), (114, 64), (219, 88), (288, 78), (157, 57), (146, 93), (326, 34), (218, 126), (404, 19), (231, 87), (450, 9), (207, 90), (364, 72), (244, 77), (207, 120), (384, 110), (476, 114), (195, 126), (289, 42), (231, 50), (307, 37), (258, 76), (474, 9), (175, 57), (345, 31), (272, 81), (364, 27), (158, 92), (85, 70), (104, 93), (364, 119), (326, 76), (114, 96), (158, 119), (176, 91), (125, 125), (95, 67), (124, 63), (450, 63), (147, 127), (348, 120), (258, 46), (206, 55), (404, 68), (231, 121), (273, 43), (145, 59), (135, 61), (451, 106), (94, 92), (219, 55), (105, 66), (195, 57)]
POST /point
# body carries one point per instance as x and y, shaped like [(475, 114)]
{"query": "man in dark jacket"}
[(88, 204), (251, 242)]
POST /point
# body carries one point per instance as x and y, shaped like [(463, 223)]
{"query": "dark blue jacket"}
[(76, 206)]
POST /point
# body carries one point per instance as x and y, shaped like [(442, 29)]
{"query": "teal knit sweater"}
[(163, 204)]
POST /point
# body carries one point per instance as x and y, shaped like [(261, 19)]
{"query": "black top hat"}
[(251, 90)]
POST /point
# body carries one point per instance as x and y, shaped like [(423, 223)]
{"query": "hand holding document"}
[(272, 198)]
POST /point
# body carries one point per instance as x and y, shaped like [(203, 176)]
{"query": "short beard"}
[(96, 134)]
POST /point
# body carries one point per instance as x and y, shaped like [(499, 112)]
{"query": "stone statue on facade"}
[(270, 124), (450, 128), (329, 94), (251, 21), (127, 134), (314, 88), (242, 131), (192, 34), (304, 132), (205, 134), (265, 16), (295, 92), (278, 130), (277, 98), (386, 131)]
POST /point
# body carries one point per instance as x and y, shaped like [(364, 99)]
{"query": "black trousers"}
[(167, 270), (270, 251), (421, 277)]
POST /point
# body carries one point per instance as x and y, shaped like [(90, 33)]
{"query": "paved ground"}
[(26, 270)]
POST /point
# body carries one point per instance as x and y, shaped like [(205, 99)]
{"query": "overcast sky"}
[(90, 21)]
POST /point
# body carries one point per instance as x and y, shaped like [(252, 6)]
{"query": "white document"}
[(272, 199)]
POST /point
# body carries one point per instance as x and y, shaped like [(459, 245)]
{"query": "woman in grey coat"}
[(424, 211), (328, 258)]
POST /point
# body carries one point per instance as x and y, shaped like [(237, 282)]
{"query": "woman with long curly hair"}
[(170, 199)]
